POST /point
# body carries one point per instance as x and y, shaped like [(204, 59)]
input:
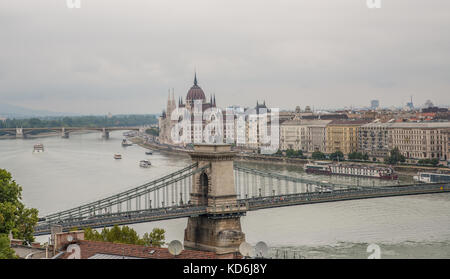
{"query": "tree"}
[(365, 157), (337, 156), (155, 238), (6, 252), (152, 131), (395, 157), (434, 162), (14, 216), (126, 235), (317, 155)]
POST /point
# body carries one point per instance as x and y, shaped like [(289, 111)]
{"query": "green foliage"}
[(126, 235), (317, 155), (291, 153), (6, 252), (433, 162), (155, 238), (337, 156), (81, 121), (395, 157), (358, 156), (14, 216), (154, 131)]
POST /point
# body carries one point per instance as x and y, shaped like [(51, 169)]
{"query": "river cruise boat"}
[(38, 148), (351, 170), (117, 156), (430, 177), (145, 164), (126, 143)]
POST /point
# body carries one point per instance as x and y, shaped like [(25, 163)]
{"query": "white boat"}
[(38, 148), (126, 143), (117, 156), (145, 164), (149, 152), (430, 177)]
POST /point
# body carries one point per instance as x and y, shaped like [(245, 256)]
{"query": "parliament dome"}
[(195, 93)]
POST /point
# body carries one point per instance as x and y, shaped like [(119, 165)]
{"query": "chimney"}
[(65, 238)]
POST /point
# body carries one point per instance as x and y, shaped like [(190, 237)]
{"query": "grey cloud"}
[(122, 56)]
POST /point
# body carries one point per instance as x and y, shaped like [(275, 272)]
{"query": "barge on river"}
[(369, 171)]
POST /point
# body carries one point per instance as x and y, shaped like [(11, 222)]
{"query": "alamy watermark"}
[(259, 127), (71, 4), (374, 250), (371, 4)]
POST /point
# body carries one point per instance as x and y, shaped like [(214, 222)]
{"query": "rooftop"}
[(108, 250)]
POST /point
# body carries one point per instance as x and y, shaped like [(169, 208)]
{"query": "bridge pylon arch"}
[(219, 230)]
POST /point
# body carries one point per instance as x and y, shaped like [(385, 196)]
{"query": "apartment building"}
[(305, 135), (342, 135), (421, 140), (373, 139)]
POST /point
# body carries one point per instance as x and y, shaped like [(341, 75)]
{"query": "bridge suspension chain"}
[(158, 185)]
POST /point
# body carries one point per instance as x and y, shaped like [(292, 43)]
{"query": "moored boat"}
[(145, 164), (431, 177), (351, 170), (126, 143), (149, 152), (38, 148), (117, 156)]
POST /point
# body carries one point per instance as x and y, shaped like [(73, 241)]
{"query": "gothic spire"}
[(195, 79)]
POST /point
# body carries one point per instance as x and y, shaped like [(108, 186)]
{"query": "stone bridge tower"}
[(220, 229)]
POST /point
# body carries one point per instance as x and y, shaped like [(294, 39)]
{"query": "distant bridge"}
[(64, 131), (168, 197)]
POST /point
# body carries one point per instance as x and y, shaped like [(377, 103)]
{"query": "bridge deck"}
[(255, 203)]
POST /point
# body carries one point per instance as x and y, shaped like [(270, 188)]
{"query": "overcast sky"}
[(121, 56)]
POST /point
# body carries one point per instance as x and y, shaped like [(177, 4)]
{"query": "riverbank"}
[(163, 149), (47, 134), (40, 135), (278, 160)]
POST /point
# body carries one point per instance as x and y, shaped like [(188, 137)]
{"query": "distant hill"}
[(12, 111)]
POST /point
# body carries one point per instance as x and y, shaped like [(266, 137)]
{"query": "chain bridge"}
[(171, 196)]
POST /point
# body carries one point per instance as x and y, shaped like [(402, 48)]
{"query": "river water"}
[(81, 169)]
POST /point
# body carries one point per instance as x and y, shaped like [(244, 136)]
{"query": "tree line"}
[(393, 158), (81, 121)]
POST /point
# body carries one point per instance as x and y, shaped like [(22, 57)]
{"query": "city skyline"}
[(323, 54)]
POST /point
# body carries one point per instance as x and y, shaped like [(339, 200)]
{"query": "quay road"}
[(255, 203)]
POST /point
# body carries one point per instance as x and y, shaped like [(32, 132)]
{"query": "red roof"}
[(90, 248), (348, 122)]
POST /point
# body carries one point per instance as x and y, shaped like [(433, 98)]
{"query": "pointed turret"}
[(195, 79)]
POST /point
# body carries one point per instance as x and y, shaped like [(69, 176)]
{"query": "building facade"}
[(342, 135), (166, 124), (421, 140), (305, 135), (373, 139)]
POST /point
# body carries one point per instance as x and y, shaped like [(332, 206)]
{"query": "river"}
[(81, 169)]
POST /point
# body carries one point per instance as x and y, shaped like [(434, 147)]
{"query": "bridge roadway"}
[(255, 203), (70, 129)]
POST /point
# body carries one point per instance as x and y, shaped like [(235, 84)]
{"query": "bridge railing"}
[(239, 206), (126, 195), (298, 198), (105, 220)]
